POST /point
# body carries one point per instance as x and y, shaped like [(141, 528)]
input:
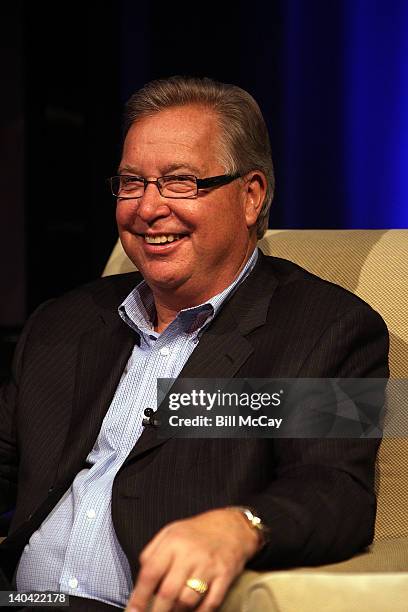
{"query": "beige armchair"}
[(374, 265)]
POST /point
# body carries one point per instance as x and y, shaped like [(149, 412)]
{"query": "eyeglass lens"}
[(169, 186)]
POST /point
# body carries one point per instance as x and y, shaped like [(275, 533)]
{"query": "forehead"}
[(173, 136)]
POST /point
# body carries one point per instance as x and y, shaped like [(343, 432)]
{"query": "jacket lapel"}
[(102, 357)]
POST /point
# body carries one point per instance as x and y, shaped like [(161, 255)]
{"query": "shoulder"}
[(293, 280), (317, 327), (299, 293), (85, 306)]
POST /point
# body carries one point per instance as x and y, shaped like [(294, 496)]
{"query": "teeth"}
[(162, 239)]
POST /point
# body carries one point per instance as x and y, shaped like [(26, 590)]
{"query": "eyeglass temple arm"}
[(215, 181)]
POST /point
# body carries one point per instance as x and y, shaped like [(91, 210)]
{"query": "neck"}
[(169, 303), (164, 316)]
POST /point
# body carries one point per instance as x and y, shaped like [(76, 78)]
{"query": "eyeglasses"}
[(126, 187)]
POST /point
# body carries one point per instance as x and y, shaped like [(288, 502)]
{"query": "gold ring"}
[(199, 586)]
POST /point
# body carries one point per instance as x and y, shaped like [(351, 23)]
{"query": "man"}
[(102, 505)]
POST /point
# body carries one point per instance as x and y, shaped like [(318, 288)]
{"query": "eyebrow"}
[(177, 166), (166, 169)]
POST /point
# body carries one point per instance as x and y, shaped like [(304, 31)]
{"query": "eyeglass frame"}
[(204, 183)]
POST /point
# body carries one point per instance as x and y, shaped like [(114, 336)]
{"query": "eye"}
[(179, 184), (130, 182), (131, 179)]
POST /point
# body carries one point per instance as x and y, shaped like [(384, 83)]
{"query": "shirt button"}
[(73, 583), (164, 351), (91, 513)]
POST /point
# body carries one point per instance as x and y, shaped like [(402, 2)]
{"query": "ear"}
[(254, 193)]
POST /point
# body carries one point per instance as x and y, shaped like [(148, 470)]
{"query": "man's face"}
[(212, 230)]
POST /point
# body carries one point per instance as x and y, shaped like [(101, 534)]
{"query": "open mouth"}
[(163, 238)]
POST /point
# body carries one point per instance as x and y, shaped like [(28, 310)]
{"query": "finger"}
[(215, 595), (169, 590), (188, 599), (150, 575), (173, 594)]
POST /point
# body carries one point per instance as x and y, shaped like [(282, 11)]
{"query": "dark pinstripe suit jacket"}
[(317, 495)]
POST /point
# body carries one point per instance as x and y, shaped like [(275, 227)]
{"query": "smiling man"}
[(106, 510), (188, 243)]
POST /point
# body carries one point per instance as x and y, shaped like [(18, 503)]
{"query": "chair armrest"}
[(374, 580)]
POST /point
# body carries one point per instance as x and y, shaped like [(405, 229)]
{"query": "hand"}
[(213, 547)]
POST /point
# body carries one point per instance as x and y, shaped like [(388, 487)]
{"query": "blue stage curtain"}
[(344, 114)]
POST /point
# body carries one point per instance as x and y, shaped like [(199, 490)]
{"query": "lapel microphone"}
[(149, 419)]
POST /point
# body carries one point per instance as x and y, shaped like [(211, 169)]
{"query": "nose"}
[(152, 205)]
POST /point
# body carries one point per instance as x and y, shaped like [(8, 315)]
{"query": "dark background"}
[(331, 77)]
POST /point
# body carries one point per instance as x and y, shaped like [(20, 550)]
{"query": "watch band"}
[(255, 522)]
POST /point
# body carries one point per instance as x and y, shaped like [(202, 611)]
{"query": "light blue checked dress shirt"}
[(75, 550)]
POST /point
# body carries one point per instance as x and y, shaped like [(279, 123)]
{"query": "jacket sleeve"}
[(8, 434), (320, 506)]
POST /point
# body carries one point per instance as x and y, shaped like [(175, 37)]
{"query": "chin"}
[(164, 285), (163, 281)]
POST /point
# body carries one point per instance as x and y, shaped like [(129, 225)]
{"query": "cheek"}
[(119, 215), (124, 216)]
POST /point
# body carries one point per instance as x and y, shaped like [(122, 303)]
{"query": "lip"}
[(162, 233)]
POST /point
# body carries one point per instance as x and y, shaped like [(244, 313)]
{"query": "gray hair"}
[(245, 144)]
